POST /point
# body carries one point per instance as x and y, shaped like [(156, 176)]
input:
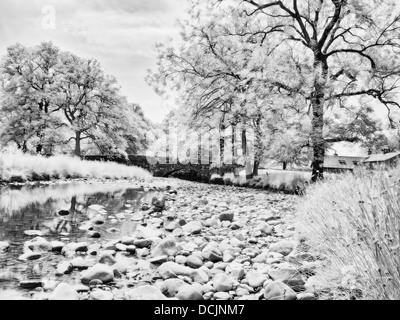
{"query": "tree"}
[(344, 49)]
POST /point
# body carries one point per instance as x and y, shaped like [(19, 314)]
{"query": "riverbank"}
[(19, 168), (204, 242)]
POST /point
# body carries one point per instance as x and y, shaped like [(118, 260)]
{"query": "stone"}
[(194, 261), (193, 227), (101, 295), (235, 270), (277, 290), (158, 203), (159, 259), (75, 247), (222, 296), (288, 275), (180, 259), (137, 216), (222, 282), (142, 243), (164, 247), (94, 234), (128, 241), (306, 296), (98, 271), (146, 292), (120, 247), (212, 252), (283, 247), (170, 287), (173, 270), (107, 258), (81, 263), (189, 292), (4, 247), (255, 279), (38, 244), (57, 246), (64, 292), (30, 256), (63, 213), (171, 226), (63, 267), (31, 284), (33, 233), (147, 233), (226, 216), (199, 276), (265, 228)]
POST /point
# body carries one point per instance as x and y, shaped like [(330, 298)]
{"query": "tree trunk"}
[(317, 103), (222, 150), (255, 168), (249, 172), (199, 153), (78, 144), (284, 165)]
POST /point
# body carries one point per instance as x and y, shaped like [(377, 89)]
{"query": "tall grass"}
[(354, 222), (19, 167)]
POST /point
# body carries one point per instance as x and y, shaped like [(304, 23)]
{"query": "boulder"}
[(188, 292), (222, 282), (173, 270), (64, 292), (277, 290), (193, 227), (170, 287), (146, 292), (38, 244), (289, 275), (164, 247), (98, 271), (101, 295), (194, 261), (4, 247), (256, 279), (63, 267), (284, 247), (226, 216)]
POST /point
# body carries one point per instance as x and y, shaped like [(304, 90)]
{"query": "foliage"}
[(353, 222)]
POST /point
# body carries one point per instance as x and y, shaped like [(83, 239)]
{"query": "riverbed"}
[(169, 239)]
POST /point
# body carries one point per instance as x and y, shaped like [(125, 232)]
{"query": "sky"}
[(120, 34)]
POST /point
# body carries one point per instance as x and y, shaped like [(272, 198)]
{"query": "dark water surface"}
[(37, 209)]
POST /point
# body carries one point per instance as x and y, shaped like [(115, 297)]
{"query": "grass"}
[(353, 221), (286, 181), (19, 167)]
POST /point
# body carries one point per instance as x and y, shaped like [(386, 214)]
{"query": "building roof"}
[(382, 157), (342, 162)]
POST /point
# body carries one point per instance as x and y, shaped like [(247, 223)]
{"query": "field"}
[(19, 167)]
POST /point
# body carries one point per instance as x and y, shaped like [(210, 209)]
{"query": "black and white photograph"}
[(216, 152)]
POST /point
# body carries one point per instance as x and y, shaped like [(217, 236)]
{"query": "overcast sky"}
[(119, 33)]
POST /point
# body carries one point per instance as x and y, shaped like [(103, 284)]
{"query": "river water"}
[(58, 212)]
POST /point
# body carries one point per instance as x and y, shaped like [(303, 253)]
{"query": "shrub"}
[(354, 221)]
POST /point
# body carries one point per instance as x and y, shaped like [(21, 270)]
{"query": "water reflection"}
[(58, 213)]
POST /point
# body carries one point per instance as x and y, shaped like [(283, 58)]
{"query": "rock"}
[(94, 234), (170, 287), (288, 275), (81, 263), (255, 279), (235, 270), (95, 282), (265, 228), (143, 243), (107, 258), (277, 290), (283, 247), (180, 259), (128, 241), (158, 203), (38, 244), (137, 216), (30, 256), (226, 216), (159, 259), (237, 243), (173, 270), (75, 247), (193, 227), (188, 292), (33, 233), (147, 233), (97, 221), (98, 271), (194, 261), (142, 252), (172, 225), (101, 295), (120, 247), (199, 276), (146, 293), (222, 282), (4, 247), (57, 246), (63, 213), (64, 292), (164, 247), (63, 267), (306, 296), (211, 252), (31, 284), (222, 296)]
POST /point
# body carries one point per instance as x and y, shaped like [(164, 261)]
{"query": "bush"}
[(354, 221)]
